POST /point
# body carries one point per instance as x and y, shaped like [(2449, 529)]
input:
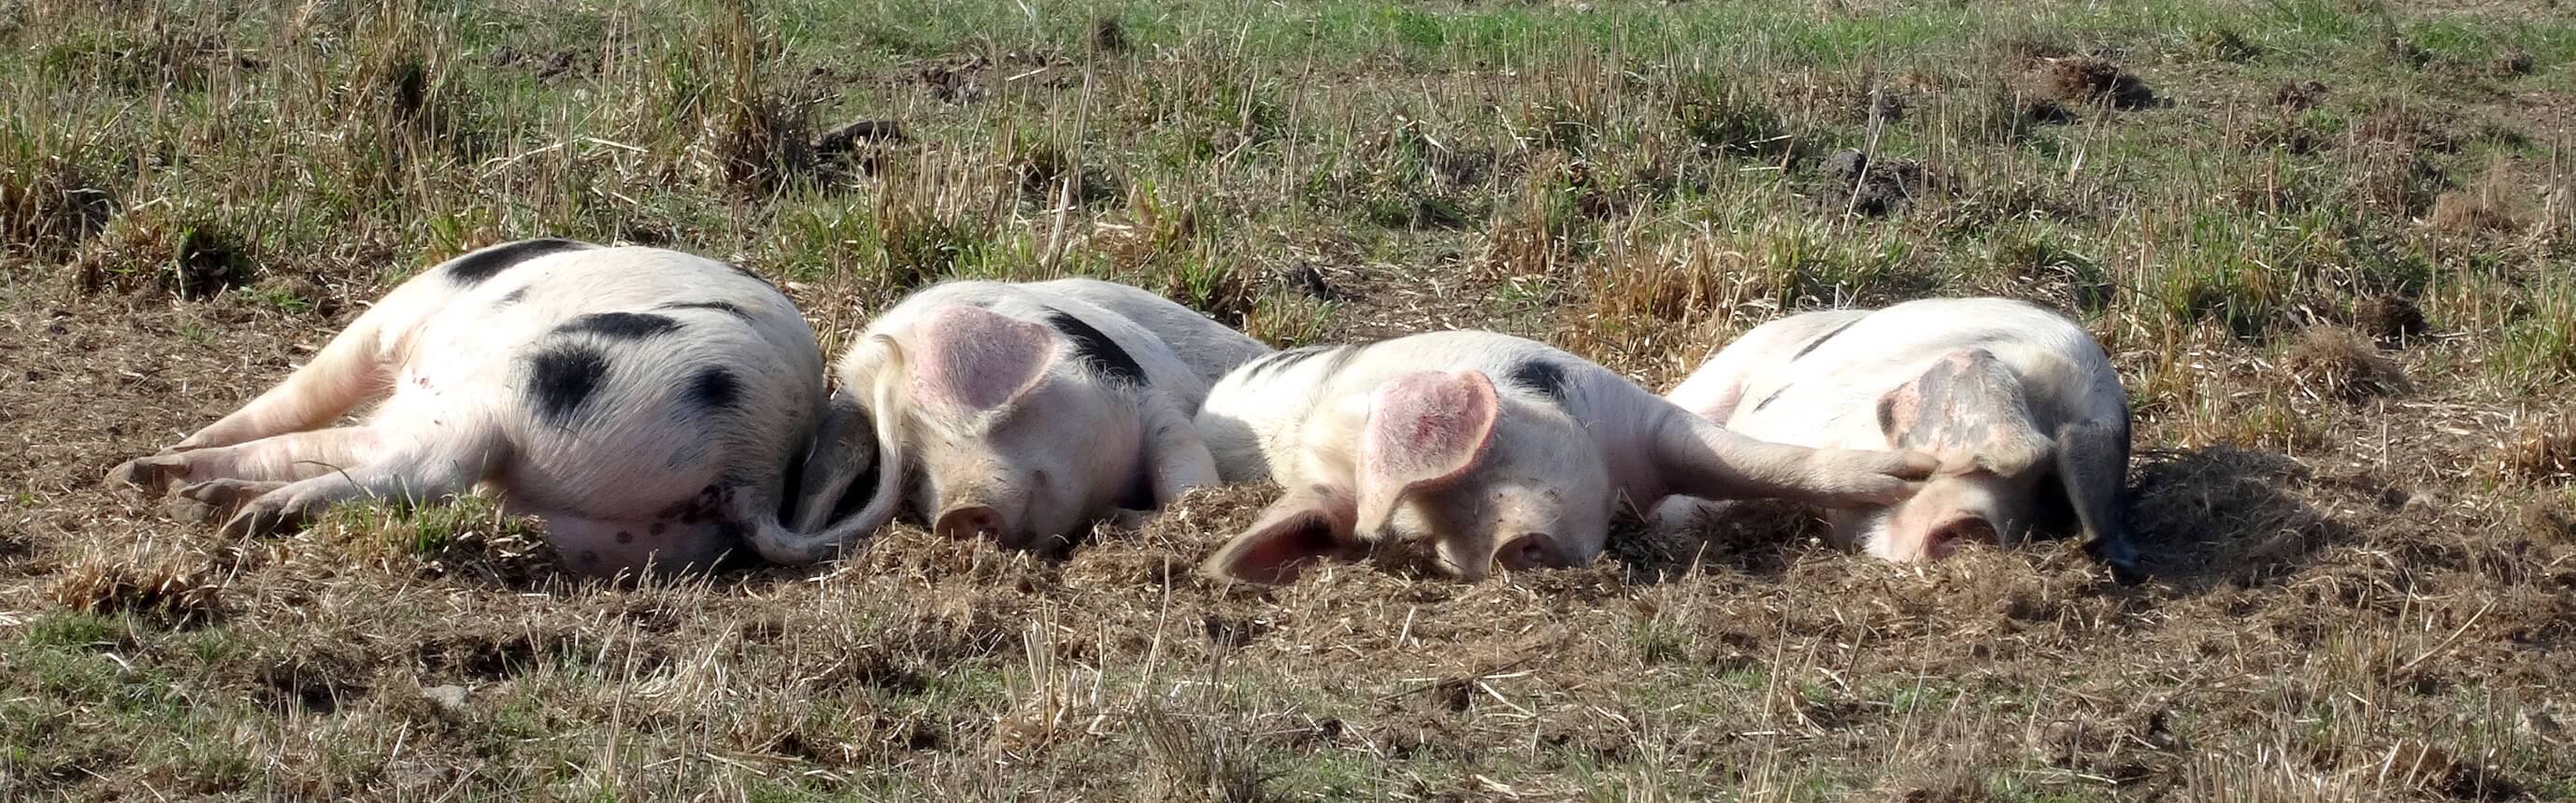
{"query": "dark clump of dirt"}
[(2342, 364), (847, 136), (2390, 319), (50, 208), (1045, 170), (2299, 95), (957, 80), (1108, 36), (2545, 449), (2402, 127), (1873, 188), (547, 66), (1308, 279), (189, 255), (2090, 80), (314, 683)]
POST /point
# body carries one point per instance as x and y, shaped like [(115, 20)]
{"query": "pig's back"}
[(1209, 348)]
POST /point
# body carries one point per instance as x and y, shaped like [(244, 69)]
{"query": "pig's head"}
[(1968, 412), (1481, 478), (1012, 441)]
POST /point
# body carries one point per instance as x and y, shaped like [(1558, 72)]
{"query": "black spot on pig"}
[(715, 389), (625, 537), (561, 378), (1096, 349), (719, 306), (620, 325), (748, 272), (514, 296), (472, 269), (1812, 344), (1543, 376)]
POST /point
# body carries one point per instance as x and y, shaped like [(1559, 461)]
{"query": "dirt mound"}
[(2089, 80), (1871, 188), (2340, 363)]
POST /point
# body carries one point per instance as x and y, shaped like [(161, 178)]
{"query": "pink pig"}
[(646, 403), (1018, 412), (2020, 405), (1492, 448)]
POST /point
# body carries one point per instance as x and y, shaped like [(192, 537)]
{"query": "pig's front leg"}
[(1176, 458), (2093, 466), (280, 458)]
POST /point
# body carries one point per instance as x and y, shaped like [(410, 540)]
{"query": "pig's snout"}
[(1951, 536), (970, 521), (1529, 551)]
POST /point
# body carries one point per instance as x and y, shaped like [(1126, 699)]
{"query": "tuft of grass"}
[(2340, 363)]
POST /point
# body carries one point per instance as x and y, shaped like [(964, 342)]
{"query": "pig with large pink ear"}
[(647, 404), (1017, 412), (2020, 405), (1489, 449)]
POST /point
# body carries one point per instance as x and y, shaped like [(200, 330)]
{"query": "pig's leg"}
[(278, 458), (1175, 456), (2093, 466), (1702, 459), (419, 473), (348, 371)]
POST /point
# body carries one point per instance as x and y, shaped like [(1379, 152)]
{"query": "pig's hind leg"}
[(274, 459), (413, 473), (2093, 467)]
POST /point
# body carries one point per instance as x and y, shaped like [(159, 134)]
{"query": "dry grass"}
[(2357, 594)]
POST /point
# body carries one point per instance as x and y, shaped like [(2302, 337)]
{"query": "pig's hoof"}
[(227, 494), (265, 518), (153, 475)]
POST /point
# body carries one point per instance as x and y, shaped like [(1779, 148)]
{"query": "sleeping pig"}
[(2020, 405), (1019, 412), (1491, 448), (647, 404)]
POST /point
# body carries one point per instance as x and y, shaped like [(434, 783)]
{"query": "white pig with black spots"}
[(647, 404), (2019, 404), (1493, 449), (1021, 412)]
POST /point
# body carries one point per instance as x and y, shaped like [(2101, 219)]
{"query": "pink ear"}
[(1298, 528), (1424, 429), (974, 359)]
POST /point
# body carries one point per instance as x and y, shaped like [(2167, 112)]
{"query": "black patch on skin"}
[(1812, 344), (1096, 349), (1540, 375), (472, 269), (620, 325), (747, 272), (513, 297), (656, 529), (715, 389), (719, 306), (589, 557), (625, 537), (561, 377)]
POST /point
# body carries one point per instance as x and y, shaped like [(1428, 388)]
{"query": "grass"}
[(2328, 257)]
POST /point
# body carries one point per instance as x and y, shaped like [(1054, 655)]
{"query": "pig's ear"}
[(1301, 527), (972, 359), (1423, 429), (1968, 410)]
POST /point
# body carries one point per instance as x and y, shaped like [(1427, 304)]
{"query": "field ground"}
[(2328, 242)]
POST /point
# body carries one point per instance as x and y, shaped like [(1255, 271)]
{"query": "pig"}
[(2020, 406), (646, 404), (1017, 412), (1493, 449)]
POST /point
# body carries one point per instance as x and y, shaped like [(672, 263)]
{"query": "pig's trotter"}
[(273, 514), (153, 475), (227, 494)]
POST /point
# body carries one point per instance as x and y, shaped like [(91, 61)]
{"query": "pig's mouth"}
[(1956, 534)]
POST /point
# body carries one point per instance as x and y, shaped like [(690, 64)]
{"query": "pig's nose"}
[(1954, 534), (1529, 551), (975, 521)]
